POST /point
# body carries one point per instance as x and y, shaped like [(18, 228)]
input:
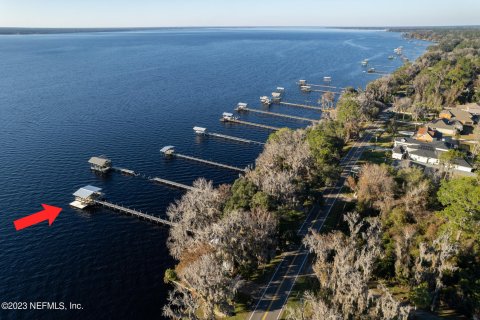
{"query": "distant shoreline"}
[(32, 31)]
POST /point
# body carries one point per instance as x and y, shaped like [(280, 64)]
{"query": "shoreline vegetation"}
[(407, 248)]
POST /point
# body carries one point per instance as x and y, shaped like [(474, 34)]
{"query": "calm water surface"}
[(64, 98)]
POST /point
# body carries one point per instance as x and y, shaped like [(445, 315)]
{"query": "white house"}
[(425, 152), (398, 153)]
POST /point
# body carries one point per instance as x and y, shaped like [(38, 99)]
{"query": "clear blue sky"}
[(160, 13)]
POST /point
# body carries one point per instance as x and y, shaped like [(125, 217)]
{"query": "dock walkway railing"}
[(299, 105), (274, 114), (172, 183), (135, 213), (252, 124), (224, 136), (221, 165)]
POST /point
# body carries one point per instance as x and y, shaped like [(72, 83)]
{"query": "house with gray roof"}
[(473, 108), (445, 126), (456, 114), (427, 153)]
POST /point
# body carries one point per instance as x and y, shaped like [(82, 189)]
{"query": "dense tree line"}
[(408, 232), (447, 74)]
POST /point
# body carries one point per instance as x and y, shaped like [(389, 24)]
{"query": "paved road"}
[(276, 292)]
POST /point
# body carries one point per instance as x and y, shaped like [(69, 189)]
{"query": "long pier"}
[(252, 124), (221, 165), (155, 179), (224, 136), (276, 114), (324, 91), (172, 183), (132, 212), (324, 86), (300, 106), (378, 72), (125, 171)]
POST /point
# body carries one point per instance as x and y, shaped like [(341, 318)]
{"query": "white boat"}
[(265, 100)]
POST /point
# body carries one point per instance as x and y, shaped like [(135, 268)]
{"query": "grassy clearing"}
[(375, 156), (385, 140), (378, 154), (406, 126)]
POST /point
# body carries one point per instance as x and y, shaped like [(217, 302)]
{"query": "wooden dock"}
[(324, 86), (274, 114), (132, 212), (252, 124), (378, 72), (125, 171), (300, 106), (155, 179), (224, 136), (172, 183), (324, 91), (221, 165)]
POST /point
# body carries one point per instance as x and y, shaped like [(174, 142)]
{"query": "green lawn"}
[(406, 127), (385, 140), (375, 156)]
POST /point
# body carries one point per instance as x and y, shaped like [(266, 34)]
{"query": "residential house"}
[(473, 108), (398, 153), (425, 152), (425, 134), (464, 117), (445, 126), (410, 144), (445, 114)]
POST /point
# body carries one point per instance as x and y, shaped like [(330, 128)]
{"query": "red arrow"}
[(49, 213)]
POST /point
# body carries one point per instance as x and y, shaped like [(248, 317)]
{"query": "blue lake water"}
[(67, 97)]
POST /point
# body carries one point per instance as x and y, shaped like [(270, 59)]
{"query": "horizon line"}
[(256, 26)]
